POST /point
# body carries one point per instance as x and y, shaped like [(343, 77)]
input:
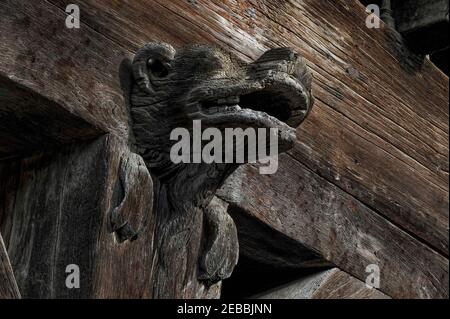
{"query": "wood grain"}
[(394, 100), (328, 284), (76, 69), (345, 232), (263, 244), (377, 139), (49, 218), (29, 122), (8, 285), (59, 208)]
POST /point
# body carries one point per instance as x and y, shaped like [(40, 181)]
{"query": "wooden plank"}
[(376, 84), (328, 284), (57, 211), (50, 218), (8, 285), (76, 69), (365, 76), (29, 122), (347, 233), (262, 244)]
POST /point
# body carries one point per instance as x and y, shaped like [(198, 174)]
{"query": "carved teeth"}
[(229, 100), (221, 109)]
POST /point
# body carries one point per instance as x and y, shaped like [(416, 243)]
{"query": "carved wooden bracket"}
[(195, 238)]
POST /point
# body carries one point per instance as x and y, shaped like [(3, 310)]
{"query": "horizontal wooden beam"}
[(328, 284), (77, 70), (347, 233), (30, 122), (376, 138), (367, 84)]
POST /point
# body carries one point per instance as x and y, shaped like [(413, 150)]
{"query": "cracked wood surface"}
[(8, 285), (363, 77), (328, 284), (378, 132), (343, 230)]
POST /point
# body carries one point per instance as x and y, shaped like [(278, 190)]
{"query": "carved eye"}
[(158, 68)]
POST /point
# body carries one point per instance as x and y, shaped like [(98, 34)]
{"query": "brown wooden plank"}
[(328, 284), (366, 76), (8, 285), (347, 233)]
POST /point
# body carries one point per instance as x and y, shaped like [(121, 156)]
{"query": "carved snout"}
[(286, 85)]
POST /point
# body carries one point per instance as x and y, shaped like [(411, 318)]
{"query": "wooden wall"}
[(367, 182)]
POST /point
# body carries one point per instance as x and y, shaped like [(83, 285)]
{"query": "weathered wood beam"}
[(328, 284), (346, 232), (365, 79), (78, 70), (30, 122), (51, 216), (8, 285), (371, 92), (57, 210), (261, 243), (424, 23)]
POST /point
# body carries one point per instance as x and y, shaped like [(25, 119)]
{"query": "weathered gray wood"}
[(364, 78), (376, 85), (263, 244), (328, 284), (170, 89), (75, 69), (30, 122), (50, 218), (8, 285), (424, 23), (90, 205), (345, 232)]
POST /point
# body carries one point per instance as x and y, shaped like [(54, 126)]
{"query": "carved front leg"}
[(221, 248), (134, 180)]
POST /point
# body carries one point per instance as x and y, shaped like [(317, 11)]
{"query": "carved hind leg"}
[(221, 248)]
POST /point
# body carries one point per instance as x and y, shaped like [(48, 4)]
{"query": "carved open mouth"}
[(282, 103)]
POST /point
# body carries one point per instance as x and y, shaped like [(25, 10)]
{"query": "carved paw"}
[(221, 249)]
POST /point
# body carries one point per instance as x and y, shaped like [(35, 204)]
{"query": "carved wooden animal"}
[(195, 238)]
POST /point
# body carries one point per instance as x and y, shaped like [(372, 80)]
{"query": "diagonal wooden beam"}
[(377, 139), (345, 232), (8, 285), (373, 94), (327, 284)]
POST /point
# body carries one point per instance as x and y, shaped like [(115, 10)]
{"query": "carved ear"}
[(152, 61)]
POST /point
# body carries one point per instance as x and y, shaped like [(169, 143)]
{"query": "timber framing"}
[(367, 182)]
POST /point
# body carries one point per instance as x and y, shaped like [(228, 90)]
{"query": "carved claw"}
[(221, 251), (136, 183)]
